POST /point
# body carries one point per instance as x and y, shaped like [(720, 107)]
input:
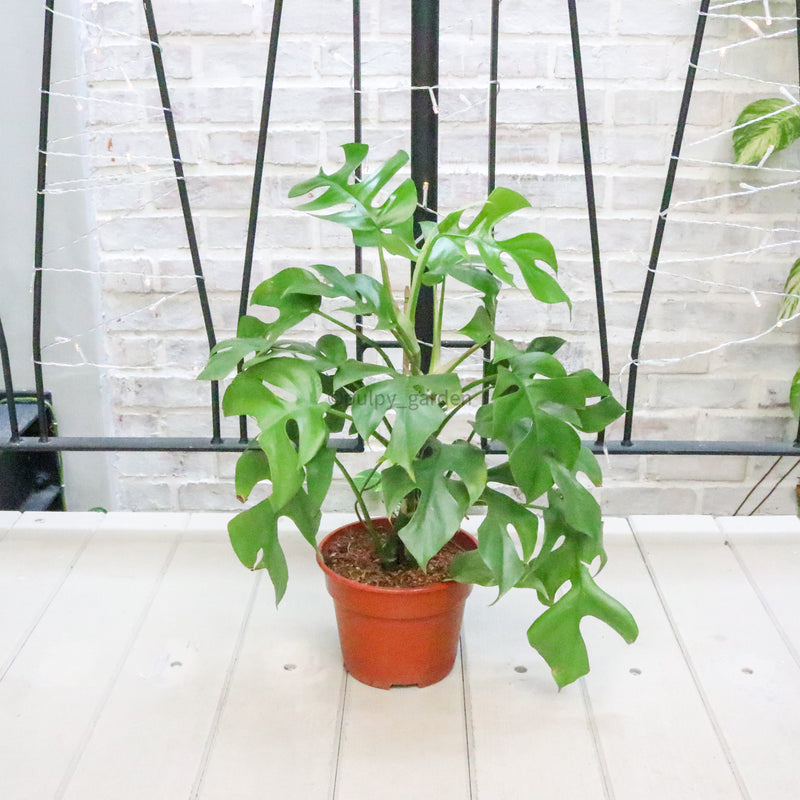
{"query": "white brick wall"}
[(634, 57)]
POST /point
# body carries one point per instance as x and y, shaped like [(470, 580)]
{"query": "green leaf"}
[(790, 303), (396, 484), (352, 371), (226, 355), (306, 514), (556, 633), (600, 415), (417, 414), (319, 474), (581, 510), (252, 467), (495, 545), (588, 465), (254, 537), (546, 344), (480, 328), (292, 424), (443, 502), (389, 223), (794, 395), (469, 567), (772, 122)]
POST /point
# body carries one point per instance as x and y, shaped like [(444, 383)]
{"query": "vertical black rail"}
[(9, 386), (258, 173), (591, 205), (358, 136), (425, 142), (38, 248), (191, 235), (494, 88), (491, 159), (797, 29), (662, 218)]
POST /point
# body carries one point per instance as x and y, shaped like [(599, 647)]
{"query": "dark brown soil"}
[(352, 555)]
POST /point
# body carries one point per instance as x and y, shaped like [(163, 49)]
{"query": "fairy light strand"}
[(106, 181)]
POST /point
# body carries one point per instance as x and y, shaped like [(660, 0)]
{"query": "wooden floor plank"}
[(404, 742), (528, 739), (656, 738), (54, 687), (7, 520), (149, 740), (34, 562), (278, 732), (768, 550), (749, 680)]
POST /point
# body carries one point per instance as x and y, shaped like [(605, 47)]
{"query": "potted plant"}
[(301, 393)]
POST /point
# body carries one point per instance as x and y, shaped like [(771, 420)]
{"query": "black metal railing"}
[(424, 164)]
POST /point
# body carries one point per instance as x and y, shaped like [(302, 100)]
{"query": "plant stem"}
[(436, 345), (451, 365), (456, 409), (382, 439), (416, 278), (359, 334), (360, 503), (410, 346)]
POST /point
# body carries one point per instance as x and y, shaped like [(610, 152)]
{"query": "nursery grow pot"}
[(396, 636)]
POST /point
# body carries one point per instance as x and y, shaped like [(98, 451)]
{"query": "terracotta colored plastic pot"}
[(397, 636)]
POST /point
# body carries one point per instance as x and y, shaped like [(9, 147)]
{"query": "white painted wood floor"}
[(139, 660)]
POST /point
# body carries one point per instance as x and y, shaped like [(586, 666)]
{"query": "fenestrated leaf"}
[(501, 203), (495, 544), (794, 394), (469, 567), (503, 348), (556, 633), (252, 467), (396, 484), (588, 465), (600, 415), (254, 537), (226, 355), (790, 302), (350, 202), (287, 451), (443, 502), (306, 514), (352, 371), (546, 344), (528, 248), (581, 510), (480, 327), (417, 415), (319, 473), (770, 122)]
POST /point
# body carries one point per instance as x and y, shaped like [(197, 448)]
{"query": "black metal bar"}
[(258, 172), (494, 88), (797, 28), (358, 262), (38, 248), (148, 444), (9, 386), (662, 218), (591, 206), (425, 142), (491, 170), (191, 235)]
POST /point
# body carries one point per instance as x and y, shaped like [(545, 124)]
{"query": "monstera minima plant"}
[(541, 528)]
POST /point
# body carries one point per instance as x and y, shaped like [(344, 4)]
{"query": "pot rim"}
[(429, 588)]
